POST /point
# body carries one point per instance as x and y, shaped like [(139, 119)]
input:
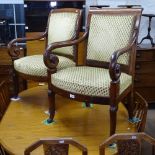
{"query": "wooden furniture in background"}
[(36, 12), (128, 143), (4, 103), (148, 36), (4, 98), (6, 70), (56, 146), (145, 73), (5, 65)]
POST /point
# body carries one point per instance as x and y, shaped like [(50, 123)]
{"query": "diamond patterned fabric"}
[(34, 65), (62, 27), (89, 81), (107, 34)]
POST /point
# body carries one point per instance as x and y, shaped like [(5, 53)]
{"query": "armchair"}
[(63, 24), (108, 74)]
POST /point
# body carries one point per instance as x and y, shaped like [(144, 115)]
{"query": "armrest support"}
[(114, 67), (14, 50), (51, 60)]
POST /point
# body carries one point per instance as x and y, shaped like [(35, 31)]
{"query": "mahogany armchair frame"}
[(115, 69)]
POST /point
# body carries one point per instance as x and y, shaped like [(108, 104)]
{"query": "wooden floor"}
[(23, 124)]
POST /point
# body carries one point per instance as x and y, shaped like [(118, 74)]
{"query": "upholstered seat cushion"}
[(34, 65), (89, 81)]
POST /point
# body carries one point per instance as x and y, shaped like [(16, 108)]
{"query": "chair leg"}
[(87, 104), (129, 105), (114, 89), (16, 86), (51, 98), (25, 84), (113, 119)]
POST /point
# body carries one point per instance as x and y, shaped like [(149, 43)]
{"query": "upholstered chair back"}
[(62, 26), (109, 33)]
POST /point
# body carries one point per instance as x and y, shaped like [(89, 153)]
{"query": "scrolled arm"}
[(14, 50), (66, 43), (114, 67), (51, 60)]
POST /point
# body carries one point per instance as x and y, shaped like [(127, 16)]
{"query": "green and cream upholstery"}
[(107, 33), (86, 80), (34, 65), (62, 26)]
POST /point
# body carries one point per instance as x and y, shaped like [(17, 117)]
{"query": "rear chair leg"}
[(51, 99), (15, 87), (129, 105)]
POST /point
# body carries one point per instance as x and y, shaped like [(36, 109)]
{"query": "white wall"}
[(11, 1), (149, 8)]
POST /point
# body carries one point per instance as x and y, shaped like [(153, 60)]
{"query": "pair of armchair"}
[(108, 73)]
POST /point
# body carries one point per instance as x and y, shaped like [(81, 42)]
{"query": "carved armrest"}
[(51, 61), (114, 66), (14, 50)]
